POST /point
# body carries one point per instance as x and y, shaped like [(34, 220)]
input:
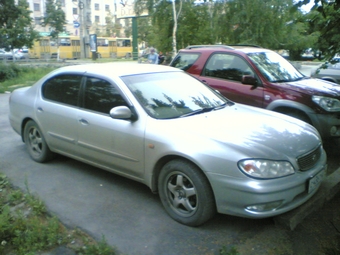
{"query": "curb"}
[(328, 189)]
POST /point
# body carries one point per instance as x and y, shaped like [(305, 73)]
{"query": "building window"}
[(37, 7), (96, 7), (37, 21), (96, 19), (62, 2), (107, 7), (75, 10)]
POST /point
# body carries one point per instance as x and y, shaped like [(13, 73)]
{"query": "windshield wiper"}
[(301, 78), (203, 110)]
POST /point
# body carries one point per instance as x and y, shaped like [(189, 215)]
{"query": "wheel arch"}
[(287, 106), (162, 161), (23, 124), (329, 79)]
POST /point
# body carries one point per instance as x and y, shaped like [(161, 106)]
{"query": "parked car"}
[(5, 55), (162, 127), (260, 77), (21, 53), (329, 71)]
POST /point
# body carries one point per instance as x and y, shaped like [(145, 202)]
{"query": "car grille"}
[(307, 161)]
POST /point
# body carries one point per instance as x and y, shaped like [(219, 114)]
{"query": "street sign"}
[(76, 24)]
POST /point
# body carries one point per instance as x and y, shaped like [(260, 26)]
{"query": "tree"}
[(325, 18), (16, 30), (176, 22), (112, 26), (252, 22), (128, 28), (55, 18)]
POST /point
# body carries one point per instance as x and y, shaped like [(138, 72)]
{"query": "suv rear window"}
[(185, 61)]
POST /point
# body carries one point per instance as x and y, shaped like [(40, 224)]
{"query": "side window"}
[(101, 96), (185, 61), (226, 66), (62, 89)]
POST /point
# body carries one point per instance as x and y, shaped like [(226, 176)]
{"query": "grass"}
[(23, 74), (27, 228), (14, 76)]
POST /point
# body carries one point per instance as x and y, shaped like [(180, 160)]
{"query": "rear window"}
[(184, 60)]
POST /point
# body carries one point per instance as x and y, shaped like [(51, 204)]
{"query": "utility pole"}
[(85, 24), (81, 29)]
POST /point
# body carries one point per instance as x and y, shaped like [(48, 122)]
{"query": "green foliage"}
[(274, 24), (13, 76), (228, 251), (55, 17), (100, 248), (26, 230), (32, 235), (16, 29), (22, 231), (327, 23), (112, 26), (8, 71), (253, 22)]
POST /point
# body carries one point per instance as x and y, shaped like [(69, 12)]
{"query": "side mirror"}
[(121, 112), (249, 80)]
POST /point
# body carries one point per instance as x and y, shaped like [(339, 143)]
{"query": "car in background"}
[(21, 53), (329, 71), (260, 77), (162, 127), (5, 55)]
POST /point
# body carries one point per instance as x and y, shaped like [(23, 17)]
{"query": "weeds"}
[(228, 251), (13, 76), (26, 228)]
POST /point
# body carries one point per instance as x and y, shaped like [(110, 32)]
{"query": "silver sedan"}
[(157, 125), (328, 71)]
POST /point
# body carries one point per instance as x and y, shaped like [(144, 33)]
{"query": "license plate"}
[(314, 182)]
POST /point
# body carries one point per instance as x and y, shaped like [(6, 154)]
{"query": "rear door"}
[(224, 71), (57, 110)]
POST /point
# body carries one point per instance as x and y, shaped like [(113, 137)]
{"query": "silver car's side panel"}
[(116, 144), (59, 125)]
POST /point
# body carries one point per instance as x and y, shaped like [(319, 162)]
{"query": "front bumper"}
[(256, 198), (328, 125)]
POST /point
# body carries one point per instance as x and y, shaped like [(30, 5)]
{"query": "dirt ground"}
[(318, 234)]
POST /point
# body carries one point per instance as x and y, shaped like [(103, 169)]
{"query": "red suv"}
[(260, 77)]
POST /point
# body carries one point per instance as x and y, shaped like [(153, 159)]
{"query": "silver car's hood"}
[(249, 131)]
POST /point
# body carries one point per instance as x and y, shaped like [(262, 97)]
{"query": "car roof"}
[(229, 48), (118, 68)]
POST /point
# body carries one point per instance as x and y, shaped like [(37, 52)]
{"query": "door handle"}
[(83, 122)]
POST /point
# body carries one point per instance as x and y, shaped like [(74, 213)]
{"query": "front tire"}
[(36, 144), (185, 193), (299, 116)]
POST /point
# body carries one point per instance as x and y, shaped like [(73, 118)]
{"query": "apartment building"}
[(91, 18)]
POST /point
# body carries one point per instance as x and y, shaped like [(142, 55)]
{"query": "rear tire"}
[(36, 144), (185, 193)]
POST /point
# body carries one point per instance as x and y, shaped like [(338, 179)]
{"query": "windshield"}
[(274, 67), (173, 94)]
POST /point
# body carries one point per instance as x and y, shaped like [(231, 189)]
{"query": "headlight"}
[(327, 103), (261, 168)]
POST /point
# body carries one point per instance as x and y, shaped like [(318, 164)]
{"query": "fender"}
[(288, 104)]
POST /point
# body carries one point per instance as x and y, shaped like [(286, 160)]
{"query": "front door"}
[(117, 145)]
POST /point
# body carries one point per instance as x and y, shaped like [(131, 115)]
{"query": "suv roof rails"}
[(246, 45), (209, 46)]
